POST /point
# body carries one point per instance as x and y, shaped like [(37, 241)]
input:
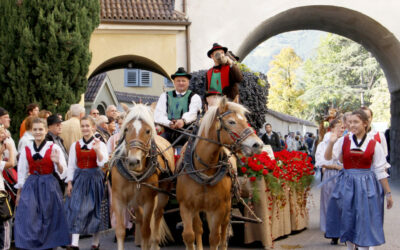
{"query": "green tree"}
[(285, 87), (337, 75), (380, 100), (44, 53)]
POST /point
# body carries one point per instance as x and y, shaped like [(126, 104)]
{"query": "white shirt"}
[(383, 142), (379, 163), (25, 140), (6, 154), (320, 153), (72, 161), (161, 115), (2, 165), (23, 166)]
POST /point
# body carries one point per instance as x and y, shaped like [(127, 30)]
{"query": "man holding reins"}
[(177, 109)]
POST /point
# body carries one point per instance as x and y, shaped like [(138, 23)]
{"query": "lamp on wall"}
[(130, 65)]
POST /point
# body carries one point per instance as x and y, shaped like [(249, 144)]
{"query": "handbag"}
[(5, 209)]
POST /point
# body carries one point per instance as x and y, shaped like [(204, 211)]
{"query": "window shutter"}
[(131, 77), (145, 78)]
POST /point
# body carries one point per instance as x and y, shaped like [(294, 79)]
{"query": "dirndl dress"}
[(355, 209), (83, 208), (40, 221)]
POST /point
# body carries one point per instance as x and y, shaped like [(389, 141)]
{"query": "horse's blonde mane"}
[(210, 115), (141, 112)]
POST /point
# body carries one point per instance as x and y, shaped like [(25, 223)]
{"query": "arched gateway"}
[(245, 26)]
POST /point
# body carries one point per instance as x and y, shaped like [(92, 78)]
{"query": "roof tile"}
[(93, 87), (137, 98), (140, 10)]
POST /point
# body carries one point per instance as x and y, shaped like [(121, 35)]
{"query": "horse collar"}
[(198, 176)]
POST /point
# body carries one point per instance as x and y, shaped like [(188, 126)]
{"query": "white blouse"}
[(320, 153), (379, 163), (2, 165), (23, 166), (72, 161), (383, 142)]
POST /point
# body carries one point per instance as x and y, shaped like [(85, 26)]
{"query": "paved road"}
[(311, 238)]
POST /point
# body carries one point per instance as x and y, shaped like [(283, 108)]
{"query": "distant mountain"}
[(302, 41)]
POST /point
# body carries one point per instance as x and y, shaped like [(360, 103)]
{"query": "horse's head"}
[(139, 130), (232, 128)]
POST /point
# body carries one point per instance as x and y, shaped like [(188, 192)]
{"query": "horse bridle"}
[(237, 138), (136, 143)]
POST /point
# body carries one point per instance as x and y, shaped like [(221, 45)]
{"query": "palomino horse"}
[(206, 186), (136, 166)]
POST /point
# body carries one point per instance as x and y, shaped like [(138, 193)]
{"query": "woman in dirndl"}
[(355, 209), (40, 221), (330, 169), (85, 190)]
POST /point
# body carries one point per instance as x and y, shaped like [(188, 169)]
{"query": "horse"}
[(206, 184), (137, 163)]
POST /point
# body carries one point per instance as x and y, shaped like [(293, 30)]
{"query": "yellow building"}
[(138, 45)]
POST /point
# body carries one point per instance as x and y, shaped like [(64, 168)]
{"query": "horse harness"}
[(223, 166), (152, 151)]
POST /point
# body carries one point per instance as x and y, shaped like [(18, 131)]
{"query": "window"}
[(137, 78), (145, 78), (168, 83), (131, 77)]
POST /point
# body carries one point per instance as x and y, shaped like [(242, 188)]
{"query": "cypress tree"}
[(44, 54)]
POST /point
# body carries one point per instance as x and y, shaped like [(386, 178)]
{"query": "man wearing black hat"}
[(177, 108), (223, 77), (54, 124)]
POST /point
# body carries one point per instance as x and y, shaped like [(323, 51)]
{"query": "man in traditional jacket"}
[(178, 108), (224, 76)]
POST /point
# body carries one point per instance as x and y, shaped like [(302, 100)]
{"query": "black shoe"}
[(72, 248), (334, 241)]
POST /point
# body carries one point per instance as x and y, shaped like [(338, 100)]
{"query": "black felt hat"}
[(53, 119), (181, 72), (215, 47)]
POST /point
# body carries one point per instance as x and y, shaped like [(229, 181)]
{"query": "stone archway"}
[(129, 61), (353, 25)]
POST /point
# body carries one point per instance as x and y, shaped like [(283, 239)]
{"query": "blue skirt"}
[(84, 206), (40, 221), (355, 209), (326, 191)]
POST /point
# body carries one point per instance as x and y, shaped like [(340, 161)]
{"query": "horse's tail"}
[(164, 234)]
